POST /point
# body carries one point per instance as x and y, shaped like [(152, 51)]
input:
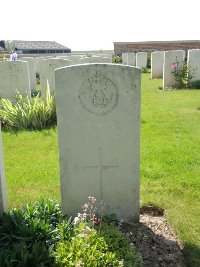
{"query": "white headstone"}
[(194, 63), (94, 59), (3, 194), (129, 59), (141, 60), (14, 76), (37, 62), (157, 60), (132, 59), (74, 59), (98, 112), (125, 58), (170, 58), (47, 74), (31, 64)]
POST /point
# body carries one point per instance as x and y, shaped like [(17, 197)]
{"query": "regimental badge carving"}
[(98, 94)]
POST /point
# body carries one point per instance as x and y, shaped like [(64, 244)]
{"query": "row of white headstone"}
[(135, 59), (20, 75), (98, 118), (162, 61), (162, 65)]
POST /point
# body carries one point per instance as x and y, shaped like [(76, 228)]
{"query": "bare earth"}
[(155, 241)]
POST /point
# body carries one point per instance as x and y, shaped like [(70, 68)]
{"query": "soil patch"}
[(154, 239)]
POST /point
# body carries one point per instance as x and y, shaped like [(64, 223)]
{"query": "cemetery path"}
[(155, 241)]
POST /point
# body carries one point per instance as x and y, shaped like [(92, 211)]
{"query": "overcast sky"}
[(95, 25)]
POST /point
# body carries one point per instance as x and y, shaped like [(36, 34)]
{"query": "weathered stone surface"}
[(3, 194), (157, 60), (98, 110), (47, 72), (94, 59), (31, 65), (171, 57), (14, 76), (125, 58), (141, 59), (194, 64)]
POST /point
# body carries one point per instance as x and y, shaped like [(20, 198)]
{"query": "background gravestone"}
[(94, 59), (129, 58), (171, 57), (194, 64), (47, 72), (3, 195), (31, 65), (98, 112), (14, 75), (125, 58), (37, 63), (141, 59), (74, 59), (157, 59)]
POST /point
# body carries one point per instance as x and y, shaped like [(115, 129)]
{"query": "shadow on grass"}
[(192, 254), (15, 131)]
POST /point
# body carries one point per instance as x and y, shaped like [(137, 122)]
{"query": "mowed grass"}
[(170, 161), (31, 166)]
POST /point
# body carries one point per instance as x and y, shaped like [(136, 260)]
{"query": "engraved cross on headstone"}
[(101, 166)]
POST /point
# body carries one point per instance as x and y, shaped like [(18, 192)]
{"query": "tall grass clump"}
[(24, 113)]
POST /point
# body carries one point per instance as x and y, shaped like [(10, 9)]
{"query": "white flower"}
[(77, 220)]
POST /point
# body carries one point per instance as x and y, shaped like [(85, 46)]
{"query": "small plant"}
[(92, 229), (38, 77), (28, 237), (117, 59), (35, 114), (118, 243), (149, 60), (2, 56), (91, 213), (182, 75), (144, 70), (85, 249)]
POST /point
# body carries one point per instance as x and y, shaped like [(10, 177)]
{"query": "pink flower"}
[(174, 66)]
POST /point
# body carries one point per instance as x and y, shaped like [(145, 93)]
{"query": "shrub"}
[(85, 249), (35, 114), (149, 60), (182, 75), (20, 255), (196, 84), (117, 59), (2, 56), (39, 236), (28, 237), (118, 243)]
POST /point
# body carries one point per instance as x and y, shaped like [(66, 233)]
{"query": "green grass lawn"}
[(31, 165), (170, 161)]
